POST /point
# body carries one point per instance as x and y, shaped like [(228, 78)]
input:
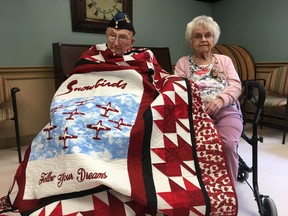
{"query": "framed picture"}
[(93, 15)]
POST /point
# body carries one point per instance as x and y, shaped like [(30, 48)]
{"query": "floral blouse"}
[(222, 72), (209, 78)]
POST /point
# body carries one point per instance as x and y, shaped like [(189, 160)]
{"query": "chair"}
[(8, 109), (66, 55), (277, 93), (246, 68)]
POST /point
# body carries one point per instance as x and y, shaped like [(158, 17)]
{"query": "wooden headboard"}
[(65, 56)]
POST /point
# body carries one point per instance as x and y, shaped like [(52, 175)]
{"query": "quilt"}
[(124, 141)]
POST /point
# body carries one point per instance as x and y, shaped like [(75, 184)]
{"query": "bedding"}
[(124, 138)]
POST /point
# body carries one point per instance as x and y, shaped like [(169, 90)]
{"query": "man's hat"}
[(121, 21)]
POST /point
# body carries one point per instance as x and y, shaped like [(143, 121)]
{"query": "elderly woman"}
[(218, 82)]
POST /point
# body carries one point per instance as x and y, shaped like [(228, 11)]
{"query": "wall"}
[(33, 101), (259, 26), (29, 27)]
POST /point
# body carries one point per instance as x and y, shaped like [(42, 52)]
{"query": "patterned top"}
[(209, 78), (219, 79)]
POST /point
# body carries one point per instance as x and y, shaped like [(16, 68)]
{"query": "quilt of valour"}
[(124, 138)]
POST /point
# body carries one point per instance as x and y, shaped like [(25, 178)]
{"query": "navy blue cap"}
[(121, 21)]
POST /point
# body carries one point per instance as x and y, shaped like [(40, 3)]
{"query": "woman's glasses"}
[(207, 36)]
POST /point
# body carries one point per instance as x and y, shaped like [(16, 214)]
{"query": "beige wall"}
[(37, 89)]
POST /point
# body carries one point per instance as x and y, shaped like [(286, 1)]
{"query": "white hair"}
[(206, 22)]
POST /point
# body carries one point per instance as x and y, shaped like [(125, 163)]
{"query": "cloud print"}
[(113, 143)]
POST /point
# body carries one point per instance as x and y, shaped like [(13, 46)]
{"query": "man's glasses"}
[(207, 36), (121, 38)]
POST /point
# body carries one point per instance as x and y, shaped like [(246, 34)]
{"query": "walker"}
[(254, 93)]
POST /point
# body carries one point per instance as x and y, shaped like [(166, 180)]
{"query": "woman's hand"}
[(214, 106)]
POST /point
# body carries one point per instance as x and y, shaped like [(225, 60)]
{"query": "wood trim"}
[(267, 67), (19, 73), (23, 73)]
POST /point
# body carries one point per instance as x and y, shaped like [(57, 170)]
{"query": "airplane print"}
[(120, 123), (55, 109), (48, 128), (98, 127), (74, 112), (107, 108), (66, 136), (86, 124), (82, 102)]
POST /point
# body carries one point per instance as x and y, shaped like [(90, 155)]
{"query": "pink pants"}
[(229, 123)]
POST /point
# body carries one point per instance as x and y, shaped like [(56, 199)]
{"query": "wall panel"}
[(37, 89)]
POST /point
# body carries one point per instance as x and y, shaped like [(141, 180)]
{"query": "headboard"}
[(65, 56)]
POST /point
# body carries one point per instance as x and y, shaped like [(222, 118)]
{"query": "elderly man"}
[(120, 34)]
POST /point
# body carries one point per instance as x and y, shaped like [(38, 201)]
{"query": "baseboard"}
[(10, 142)]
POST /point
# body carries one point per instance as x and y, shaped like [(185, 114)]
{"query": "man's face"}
[(119, 40)]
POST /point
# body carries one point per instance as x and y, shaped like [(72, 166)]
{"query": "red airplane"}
[(66, 136), (74, 112), (98, 127), (120, 123), (79, 103), (107, 108), (53, 110), (48, 128)]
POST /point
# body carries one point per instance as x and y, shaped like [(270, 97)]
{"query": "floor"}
[(272, 171)]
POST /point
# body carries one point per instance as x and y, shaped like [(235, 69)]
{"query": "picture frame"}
[(83, 19)]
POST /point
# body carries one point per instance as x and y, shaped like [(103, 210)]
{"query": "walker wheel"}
[(269, 207), (242, 175)]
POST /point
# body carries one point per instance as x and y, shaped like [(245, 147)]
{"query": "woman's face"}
[(202, 40), (119, 40)]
